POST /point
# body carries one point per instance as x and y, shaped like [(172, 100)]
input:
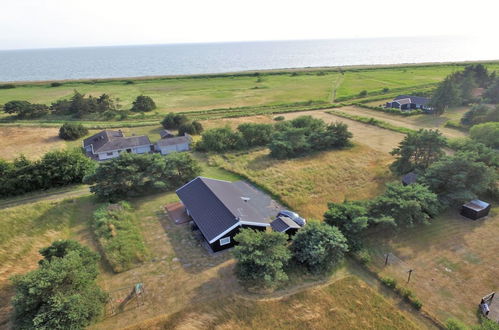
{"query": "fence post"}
[(386, 258)]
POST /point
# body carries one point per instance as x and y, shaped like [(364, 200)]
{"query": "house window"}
[(225, 241), (109, 154)]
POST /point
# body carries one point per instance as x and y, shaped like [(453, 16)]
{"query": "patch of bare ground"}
[(33, 142)]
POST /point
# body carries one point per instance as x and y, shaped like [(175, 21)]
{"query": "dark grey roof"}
[(173, 141), (409, 178), (282, 224), (414, 99), (101, 138), (164, 133), (125, 143), (217, 205), (477, 205)]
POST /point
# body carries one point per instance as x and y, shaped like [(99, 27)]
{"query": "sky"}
[(28, 24)]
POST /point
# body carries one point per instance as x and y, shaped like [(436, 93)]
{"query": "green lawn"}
[(232, 91)]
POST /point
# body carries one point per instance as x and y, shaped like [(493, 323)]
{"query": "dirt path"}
[(413, 122), (377, 138), (66, 193)]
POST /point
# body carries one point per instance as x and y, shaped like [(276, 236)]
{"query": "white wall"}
[(165, 150), (104, 155), (141, 150)]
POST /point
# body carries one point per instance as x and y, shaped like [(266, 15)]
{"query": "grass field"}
[(454, 259), (24, 229), (415, 122), (229, 91), (32, 142), (346, 304), (308, 183)]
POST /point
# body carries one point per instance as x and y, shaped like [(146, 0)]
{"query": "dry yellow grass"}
[(308, 183), (455, 262), (33, 142), (346, 304)]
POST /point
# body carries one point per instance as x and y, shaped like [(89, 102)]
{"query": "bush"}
[(389, 282), (71, 131), (192, 128), (261, 257), (143, 104), (129, 82), (319, 246), (116, 229), (139, 174), (220, 140), (174, 120), (487, 133), (363, 93), (62, 293), (7, 86), (25, 110), (54, 169), (454, 324), (255, 135), (279, 118), (55, 84), (364, 256), (386, 90)]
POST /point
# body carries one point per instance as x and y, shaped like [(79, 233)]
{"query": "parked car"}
[(293, 216)]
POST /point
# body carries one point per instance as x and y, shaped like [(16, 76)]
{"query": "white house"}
[(173, 144), (110, 144)]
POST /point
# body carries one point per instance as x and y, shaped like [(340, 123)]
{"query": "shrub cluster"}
[(193, 128), (143, 104), (479, 114), (139, 174), (71, 131), (392, 111), (25, 109), (54, 169), (116, 229), (264, 257), (62, 293), (487, 133), (405, 293), (292, 138), (174, 120)]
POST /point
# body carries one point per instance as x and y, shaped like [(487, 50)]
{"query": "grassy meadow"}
[(308, 183), (345, 304), (453, 258), (195, 93)]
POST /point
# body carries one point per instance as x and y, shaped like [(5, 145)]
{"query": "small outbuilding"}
[(475, 209), (409, 178), (173, 144), (164, 133), (286, 225)]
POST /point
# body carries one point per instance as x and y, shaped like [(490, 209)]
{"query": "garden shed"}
[(475, 209)]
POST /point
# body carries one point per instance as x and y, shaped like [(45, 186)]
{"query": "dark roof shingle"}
[(217, 205)]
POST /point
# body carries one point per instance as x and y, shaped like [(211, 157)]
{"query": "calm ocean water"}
[(174, 59)]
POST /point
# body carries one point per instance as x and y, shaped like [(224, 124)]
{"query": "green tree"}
[(143, 104), (61, 248), (466, 87), (192, 128), (486, 133), (491, 94), (261, 257), (174, 120), (446, 95), (62, 293), (458, 179), (319, 246), (418, 151), (139, 174), (289, 142), (406, 205), (255, 135), (16, 107), (477, 151), (476, 115), (220, 140), (26, 110), (72, 131), (351, 219)]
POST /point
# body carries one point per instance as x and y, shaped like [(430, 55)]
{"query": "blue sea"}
[(180, 59)]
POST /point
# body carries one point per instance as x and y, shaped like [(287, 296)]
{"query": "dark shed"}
[(286, 225), (409, 178), (475, 209)]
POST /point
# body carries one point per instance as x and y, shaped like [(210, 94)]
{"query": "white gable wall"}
[(165, 150)]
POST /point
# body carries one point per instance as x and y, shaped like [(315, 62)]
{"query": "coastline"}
[(243, 73)]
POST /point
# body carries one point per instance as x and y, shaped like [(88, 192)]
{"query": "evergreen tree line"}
[(54, 169), (458, 87), (285, 139), (79, 105)]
